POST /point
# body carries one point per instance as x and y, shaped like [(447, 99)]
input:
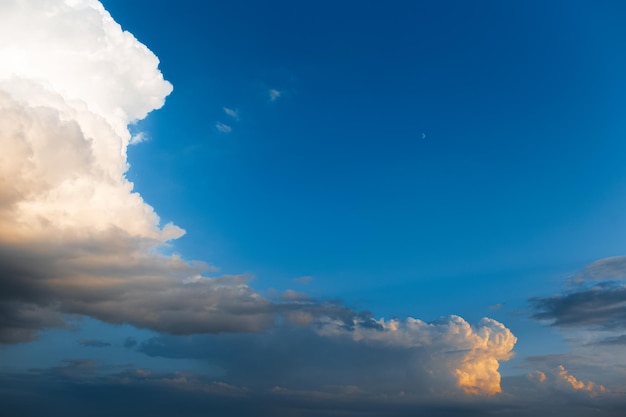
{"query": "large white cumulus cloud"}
[(74, 236), (72, 81), (75, 48)]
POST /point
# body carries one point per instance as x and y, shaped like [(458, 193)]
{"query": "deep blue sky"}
[(413, 158), (520, 174)]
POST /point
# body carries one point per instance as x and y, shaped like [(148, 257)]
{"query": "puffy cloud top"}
[(76, 49), (74, 236), (470, 354)]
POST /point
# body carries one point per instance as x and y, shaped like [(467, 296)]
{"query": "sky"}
[(312, 208)]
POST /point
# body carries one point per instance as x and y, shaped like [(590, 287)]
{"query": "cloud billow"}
[(74, 236)]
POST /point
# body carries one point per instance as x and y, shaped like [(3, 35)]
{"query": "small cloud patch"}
[(274, 94), (304, 280), (223, 128), (231, 112)]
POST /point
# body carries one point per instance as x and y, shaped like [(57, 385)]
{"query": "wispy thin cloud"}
[(304, 280), (138, 138), (223, 127), (274, 94), (231, 112)]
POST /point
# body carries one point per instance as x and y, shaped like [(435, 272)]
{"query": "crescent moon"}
[(423, 135)]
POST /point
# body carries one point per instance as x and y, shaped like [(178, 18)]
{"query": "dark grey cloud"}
[(602, 306), (93, 343), (117, 278), (114, 278), (20, 321), (614, 340)]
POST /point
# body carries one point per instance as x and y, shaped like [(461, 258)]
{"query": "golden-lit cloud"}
[(561, 379), (468, 354), (576, 384)]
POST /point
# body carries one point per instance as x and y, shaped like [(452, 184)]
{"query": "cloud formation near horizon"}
[(596, 301)]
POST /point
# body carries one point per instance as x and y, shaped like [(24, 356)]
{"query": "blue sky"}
[(340, 170), (520, 165)]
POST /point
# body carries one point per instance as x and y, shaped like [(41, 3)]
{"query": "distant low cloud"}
[(304, 280), (591, 315), (223, 128), (63, 389), (291, 295), (561, 378), (472, 354), (448, 356)]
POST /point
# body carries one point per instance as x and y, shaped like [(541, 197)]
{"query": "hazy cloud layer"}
[(80, 387), (417, 358), (561, 378), (604, 269)]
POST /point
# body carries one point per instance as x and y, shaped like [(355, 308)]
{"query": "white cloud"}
[(74, 236), (77, 50), (138, 138), (274, 94), (468, 354), (223, 128), (231, 112)]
